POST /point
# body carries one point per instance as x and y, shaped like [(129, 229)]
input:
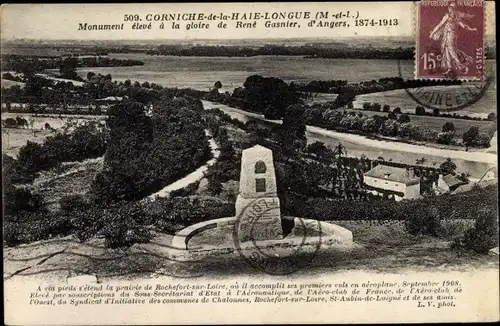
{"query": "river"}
[(202, 72), (474, 163)]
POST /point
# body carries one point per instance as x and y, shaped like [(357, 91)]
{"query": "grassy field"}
[(399, 98), (14, 138), (73, 178), (383, 248), (9, 83)]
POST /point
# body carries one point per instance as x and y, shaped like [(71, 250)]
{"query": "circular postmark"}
[(448, 94), (258, 238)]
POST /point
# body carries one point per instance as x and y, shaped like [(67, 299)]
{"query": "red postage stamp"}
[(450, 40)]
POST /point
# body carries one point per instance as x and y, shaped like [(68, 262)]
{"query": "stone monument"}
[(257, 204)]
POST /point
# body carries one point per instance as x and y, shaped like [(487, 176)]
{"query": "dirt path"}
[(194, 176)]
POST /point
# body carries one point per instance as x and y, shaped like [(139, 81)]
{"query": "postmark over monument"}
[(450, 40)]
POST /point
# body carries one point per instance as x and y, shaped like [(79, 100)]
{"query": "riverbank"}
[(474, 163)]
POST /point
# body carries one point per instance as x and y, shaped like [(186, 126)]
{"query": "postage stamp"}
[(450, 42)]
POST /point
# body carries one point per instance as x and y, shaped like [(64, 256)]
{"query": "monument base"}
[(258, 218)]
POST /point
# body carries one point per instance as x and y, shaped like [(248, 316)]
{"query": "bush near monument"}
[(146, 154)]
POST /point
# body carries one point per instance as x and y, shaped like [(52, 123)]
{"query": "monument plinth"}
[(257, 204)]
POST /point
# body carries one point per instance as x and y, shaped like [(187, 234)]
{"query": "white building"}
[(399, 182), (447, 183)]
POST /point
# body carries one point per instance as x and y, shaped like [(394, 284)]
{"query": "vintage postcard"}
[(246, 163)]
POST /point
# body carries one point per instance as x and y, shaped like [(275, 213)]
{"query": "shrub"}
[(376, 107), (470, 135), (30, 227), (484, 235), (17, 200), (448, 167), (445, 137), (73, 203), (448, 126), (419, 110), (122, 225), (164, 212), (482, 140), (87, 223), (425, 221), (404, 118), (87, 141), (318, 148)]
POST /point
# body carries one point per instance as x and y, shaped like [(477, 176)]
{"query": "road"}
[(473, 162)]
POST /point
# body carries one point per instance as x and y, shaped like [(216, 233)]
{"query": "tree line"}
[(33, 64)]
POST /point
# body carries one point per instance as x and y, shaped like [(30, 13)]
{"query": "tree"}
[(268, 95), (470, 135), (339, 151), (214, 187), (419, 110), (376, 107), (391, 115), (218, 85), (366, 106), (420, 161), (492, 116), (397, 110), (293, 130), (67, 69), (448, 167), (445, 137), (435, 112), (90, 75), (483, 140), (386, 108), (448, 126), (318, 148), (404, 118)]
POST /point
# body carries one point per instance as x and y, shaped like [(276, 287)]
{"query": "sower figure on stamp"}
[(452, 59)]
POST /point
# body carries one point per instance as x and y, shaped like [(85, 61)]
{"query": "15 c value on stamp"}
[(450, 40)]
